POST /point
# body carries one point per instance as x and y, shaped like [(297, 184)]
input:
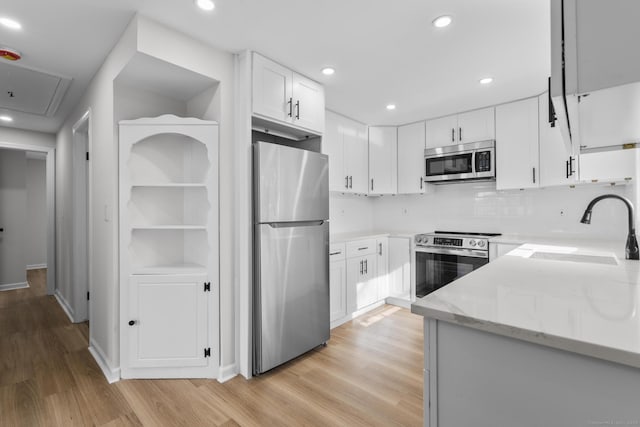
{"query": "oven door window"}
[(450, 165), (433, 271)]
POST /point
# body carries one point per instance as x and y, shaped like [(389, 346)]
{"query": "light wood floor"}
[(369, 374)]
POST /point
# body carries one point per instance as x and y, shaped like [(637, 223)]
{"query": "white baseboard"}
[(12, 286), (400, 302), (111, 374), (227, 372), (355, 314), (66, 307), (36, 266)]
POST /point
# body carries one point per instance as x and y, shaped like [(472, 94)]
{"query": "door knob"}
[(132, 322)]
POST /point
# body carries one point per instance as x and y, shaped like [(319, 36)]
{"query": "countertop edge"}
[(561, 343)]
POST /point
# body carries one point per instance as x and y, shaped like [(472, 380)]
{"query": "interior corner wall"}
[(36, 232), (13, 213), (351, 213), (103, 182), (133, 103), (166, 44)]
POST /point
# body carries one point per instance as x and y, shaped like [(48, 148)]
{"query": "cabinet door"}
[(367, 287), (382, 267), (355, 271), (609, 117), (557, 166), (411, 144), (478, 125), (332, 146), (170, 315), (356, 156), (400, 267), (441, 132), (517, 145), (609, 166), (272, 89), (337, 290), (383, 161), (308, 103)]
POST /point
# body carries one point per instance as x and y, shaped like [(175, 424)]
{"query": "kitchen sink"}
[(592, 259)]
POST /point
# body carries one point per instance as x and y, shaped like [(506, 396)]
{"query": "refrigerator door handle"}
[(295, 224)]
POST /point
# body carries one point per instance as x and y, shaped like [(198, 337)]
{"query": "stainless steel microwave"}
[(475, 160)]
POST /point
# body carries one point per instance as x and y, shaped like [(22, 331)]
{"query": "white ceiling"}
[(383, 51)]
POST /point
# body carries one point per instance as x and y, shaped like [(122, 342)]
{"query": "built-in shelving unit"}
[(169, 246)]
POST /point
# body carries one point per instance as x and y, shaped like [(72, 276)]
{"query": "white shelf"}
[(170, 185), (170, 269), (169, 227)]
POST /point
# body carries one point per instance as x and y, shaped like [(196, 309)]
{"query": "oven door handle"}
[(459, 252)]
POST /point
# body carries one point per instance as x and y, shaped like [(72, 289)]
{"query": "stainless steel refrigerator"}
[(291, 260)]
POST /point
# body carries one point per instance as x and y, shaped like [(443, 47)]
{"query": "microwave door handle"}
[(473, 162)]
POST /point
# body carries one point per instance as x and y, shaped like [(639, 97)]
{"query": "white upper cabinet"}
[(411, 145), (346, 143), (557, 165), (441, 132), (284, 96), (383, 161), (610, 117), (478, 125), (308, 110), (472, 126), (517, 156)]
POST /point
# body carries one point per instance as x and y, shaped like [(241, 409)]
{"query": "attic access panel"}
[(30, 91)]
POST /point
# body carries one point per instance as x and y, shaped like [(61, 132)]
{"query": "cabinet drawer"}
[(336, 252), (361, 247)]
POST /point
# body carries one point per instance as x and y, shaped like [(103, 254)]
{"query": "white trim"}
[(227, 372), (51, 204), (111, 374), (400, 302), (36, 266), (64, 304), (356, 314), (12, 286)]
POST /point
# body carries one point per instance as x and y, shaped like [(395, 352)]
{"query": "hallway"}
[(369, 374)]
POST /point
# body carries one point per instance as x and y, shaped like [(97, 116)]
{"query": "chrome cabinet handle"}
[(335, 253), (366, 266), (346, 181), (453, 135), (351, 181), (371, 184), (567, 168), (290, 107), (534, 175), (379, 248), (361, 267), (298, 109), (421, 183), (459, 134)]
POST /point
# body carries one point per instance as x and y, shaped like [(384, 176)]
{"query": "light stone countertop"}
[(563, 295), (348, 237)]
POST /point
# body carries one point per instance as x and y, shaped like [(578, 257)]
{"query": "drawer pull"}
[(335, 253), (362, 249)]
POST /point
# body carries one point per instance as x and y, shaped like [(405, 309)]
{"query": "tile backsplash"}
[(480, 207)]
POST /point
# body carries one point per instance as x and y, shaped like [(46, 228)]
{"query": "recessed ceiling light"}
[(205, 5), (442, 21), (6, 119), (10, 23), (328, 71), (391, 107), (486, 80)]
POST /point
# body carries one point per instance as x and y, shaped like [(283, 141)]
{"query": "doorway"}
[(81, 249)]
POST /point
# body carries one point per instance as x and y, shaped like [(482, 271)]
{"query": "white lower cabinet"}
[(361, 277), (399, 277), (168, 321), (382, 267), (337, 282)]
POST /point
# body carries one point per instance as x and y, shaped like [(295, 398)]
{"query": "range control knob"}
[(482, 243), (425, 240), (418, 239), (472, 243)]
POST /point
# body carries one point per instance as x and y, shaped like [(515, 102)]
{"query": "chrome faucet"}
[(631, 250)]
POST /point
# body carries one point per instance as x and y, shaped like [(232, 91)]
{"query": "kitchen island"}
[(547, 335)]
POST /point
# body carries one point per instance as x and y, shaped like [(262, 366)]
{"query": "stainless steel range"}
[(444, 256)]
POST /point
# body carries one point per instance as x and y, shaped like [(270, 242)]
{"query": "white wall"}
[(351, 213), (36, 232), (479, 207), (13, 211), (27, 137)]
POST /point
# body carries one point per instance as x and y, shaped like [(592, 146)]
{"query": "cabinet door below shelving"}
[(170, 321)]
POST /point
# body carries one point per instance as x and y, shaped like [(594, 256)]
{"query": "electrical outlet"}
[(405, 211), (561, 212)]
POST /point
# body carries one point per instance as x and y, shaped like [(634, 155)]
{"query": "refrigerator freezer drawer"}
[(291, 184), (291, 292)]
